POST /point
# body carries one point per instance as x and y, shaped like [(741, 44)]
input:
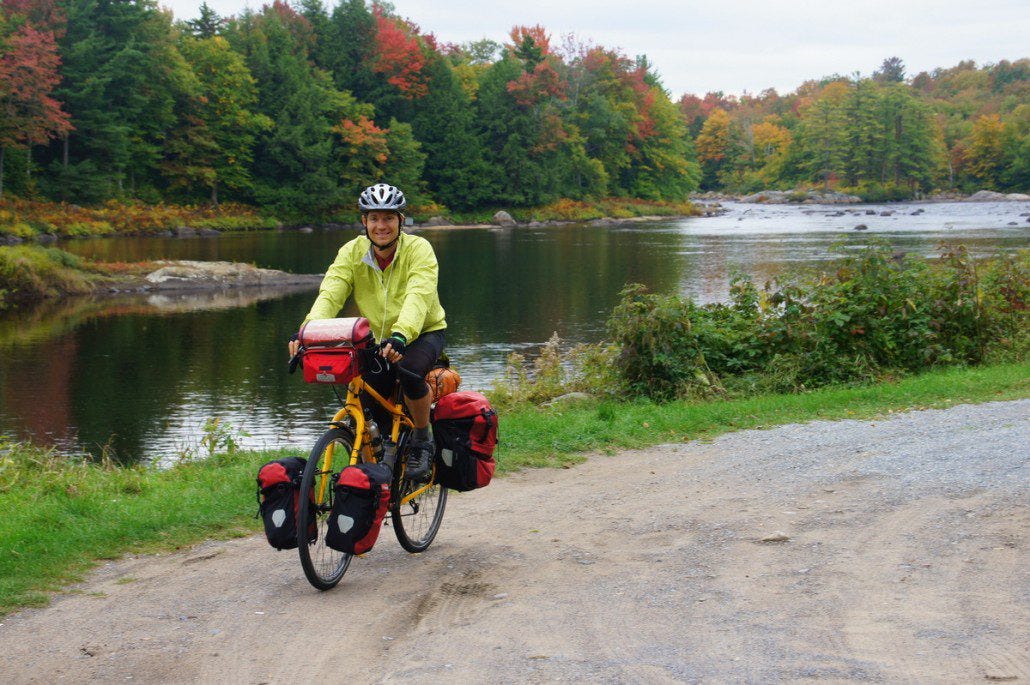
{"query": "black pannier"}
[(279, 499)]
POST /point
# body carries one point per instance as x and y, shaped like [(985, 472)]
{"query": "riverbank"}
[(831, 197), (64, 515), (47, 222), (31, 273)]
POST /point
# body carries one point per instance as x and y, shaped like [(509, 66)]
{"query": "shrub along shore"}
[(63, 515)]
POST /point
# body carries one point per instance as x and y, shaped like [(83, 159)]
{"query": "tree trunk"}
[(65, 159), (214, 193), (1, 172), (28, 163)]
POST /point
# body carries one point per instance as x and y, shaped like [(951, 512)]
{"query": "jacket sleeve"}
[(336, 287), (421, 293)]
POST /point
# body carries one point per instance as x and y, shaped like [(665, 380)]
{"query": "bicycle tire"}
[(323, 566), (417, 521)]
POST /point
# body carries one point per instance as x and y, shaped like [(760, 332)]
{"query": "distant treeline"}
[(884, 137), (297, 106)]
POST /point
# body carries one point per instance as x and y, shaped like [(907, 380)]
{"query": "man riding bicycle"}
[(393, 278)]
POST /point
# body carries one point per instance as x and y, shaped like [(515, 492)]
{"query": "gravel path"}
[(895, 551)]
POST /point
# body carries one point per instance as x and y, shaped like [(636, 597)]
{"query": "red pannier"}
[(465, 431), (330, 348), (360, 501), (279, 499)]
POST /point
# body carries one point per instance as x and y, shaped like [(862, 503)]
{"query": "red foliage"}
[(28, 74), (532, 87), (45, 15), (399, 56)]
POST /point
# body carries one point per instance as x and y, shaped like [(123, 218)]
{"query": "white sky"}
[(736, 45)]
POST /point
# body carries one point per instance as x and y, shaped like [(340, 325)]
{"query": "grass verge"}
[(62, 515)]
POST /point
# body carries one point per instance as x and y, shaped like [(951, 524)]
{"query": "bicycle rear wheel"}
[(323, 566), (417, 511)]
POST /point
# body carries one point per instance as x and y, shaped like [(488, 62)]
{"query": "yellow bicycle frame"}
[(353, 408)]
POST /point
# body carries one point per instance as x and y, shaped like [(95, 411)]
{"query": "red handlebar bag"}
[(330, 348)]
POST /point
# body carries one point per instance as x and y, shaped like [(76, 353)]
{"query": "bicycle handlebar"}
[(374, 349)]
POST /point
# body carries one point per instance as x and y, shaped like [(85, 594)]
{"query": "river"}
[(139, 376)]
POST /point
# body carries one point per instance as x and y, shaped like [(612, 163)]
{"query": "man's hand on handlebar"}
[(294, 348), (392, 349)]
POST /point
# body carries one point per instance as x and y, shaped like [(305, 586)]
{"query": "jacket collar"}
[(370, 257)]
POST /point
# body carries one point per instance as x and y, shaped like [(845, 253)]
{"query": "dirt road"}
[(904, 560)]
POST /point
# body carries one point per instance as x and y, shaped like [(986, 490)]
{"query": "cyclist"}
[(393, 278)]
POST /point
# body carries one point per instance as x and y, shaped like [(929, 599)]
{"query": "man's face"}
[(383, 227)]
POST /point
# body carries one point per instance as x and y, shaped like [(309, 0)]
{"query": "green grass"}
[(62, 516), (537, 437)]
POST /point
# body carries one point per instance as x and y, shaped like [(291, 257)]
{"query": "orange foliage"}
[(537, 34), (364, 139)]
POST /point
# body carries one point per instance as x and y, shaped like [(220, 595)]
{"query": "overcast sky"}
[(736, 45)]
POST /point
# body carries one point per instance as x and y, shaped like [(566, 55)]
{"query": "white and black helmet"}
[(382, 196)]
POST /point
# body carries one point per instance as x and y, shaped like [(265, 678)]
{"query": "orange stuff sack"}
[(443, 380)]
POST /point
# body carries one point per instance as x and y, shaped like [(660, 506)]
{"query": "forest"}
[(295, 107)]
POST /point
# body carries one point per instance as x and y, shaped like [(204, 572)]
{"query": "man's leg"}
[(418, 359), (420, 409)]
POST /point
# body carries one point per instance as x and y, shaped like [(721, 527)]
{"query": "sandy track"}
[(906, 561)]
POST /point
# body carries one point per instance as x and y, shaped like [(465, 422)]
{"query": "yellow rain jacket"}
[(402, 298)]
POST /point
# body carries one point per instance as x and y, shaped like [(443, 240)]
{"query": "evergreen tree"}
[(892, 70), (207, 25), (122, 79), (294, 160)]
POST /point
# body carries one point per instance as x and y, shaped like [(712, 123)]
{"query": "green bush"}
[(872, 314)]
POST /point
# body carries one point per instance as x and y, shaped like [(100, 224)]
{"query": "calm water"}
[(142, 374)]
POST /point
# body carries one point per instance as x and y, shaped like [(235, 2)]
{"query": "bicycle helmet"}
[(382, 196)]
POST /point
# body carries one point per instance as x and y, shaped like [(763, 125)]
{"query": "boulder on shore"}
[(502, 218), (436, 221), (991, 196), (193, 275)]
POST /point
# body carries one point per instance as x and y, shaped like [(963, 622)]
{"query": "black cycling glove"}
[(397, 342)]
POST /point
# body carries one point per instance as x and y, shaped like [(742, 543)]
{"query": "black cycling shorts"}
[(419, 358)]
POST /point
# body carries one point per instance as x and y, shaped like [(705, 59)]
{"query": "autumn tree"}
[(717, 148), (29, 115), (986, 153)]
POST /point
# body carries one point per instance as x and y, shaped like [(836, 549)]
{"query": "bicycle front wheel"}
[(416, 513), (323, 566)]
